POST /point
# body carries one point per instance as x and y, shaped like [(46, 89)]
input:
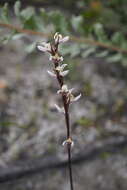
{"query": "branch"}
[(30, 167), (73, 38)]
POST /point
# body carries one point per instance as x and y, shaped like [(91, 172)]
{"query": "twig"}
[(73, 38)]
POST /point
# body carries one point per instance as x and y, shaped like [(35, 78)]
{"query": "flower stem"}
[(70, 166), (67, 97), (64, 98)]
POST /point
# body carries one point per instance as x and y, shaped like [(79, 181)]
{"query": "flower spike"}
[(67, 97)]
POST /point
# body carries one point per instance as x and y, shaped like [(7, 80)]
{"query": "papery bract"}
[(45, 47)]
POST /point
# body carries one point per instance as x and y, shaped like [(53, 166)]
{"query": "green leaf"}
[(65, 49), (72, 49), (40, 25), (84, 46), (88, 52), (30, 48), (4, 40), (17, 7), (76, 22), (4, 13), (31, 23), (110, 18), (27, 13), (18, 36), (124, 60), (28, 18), (119, 39), (102, 54), (44, 15), (100, 33), (75, 50), (115, 58), (59, 22)]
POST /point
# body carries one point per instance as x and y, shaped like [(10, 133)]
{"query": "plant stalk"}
[(67, 121)]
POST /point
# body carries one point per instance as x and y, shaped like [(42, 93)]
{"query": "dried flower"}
[(59, 109), (64, 73), (60, 39), (68, 141), (70, 97), (74, 99), (61, 67), (56, 58), (45, 47), (61, 70), (64, 89), (52, 74)]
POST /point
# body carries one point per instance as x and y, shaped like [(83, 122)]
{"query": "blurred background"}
[(31, 130)]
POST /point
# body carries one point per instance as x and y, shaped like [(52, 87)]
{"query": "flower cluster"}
[(59, 73), (53, 48)]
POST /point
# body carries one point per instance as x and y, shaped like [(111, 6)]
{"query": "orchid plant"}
[(59, 73)]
